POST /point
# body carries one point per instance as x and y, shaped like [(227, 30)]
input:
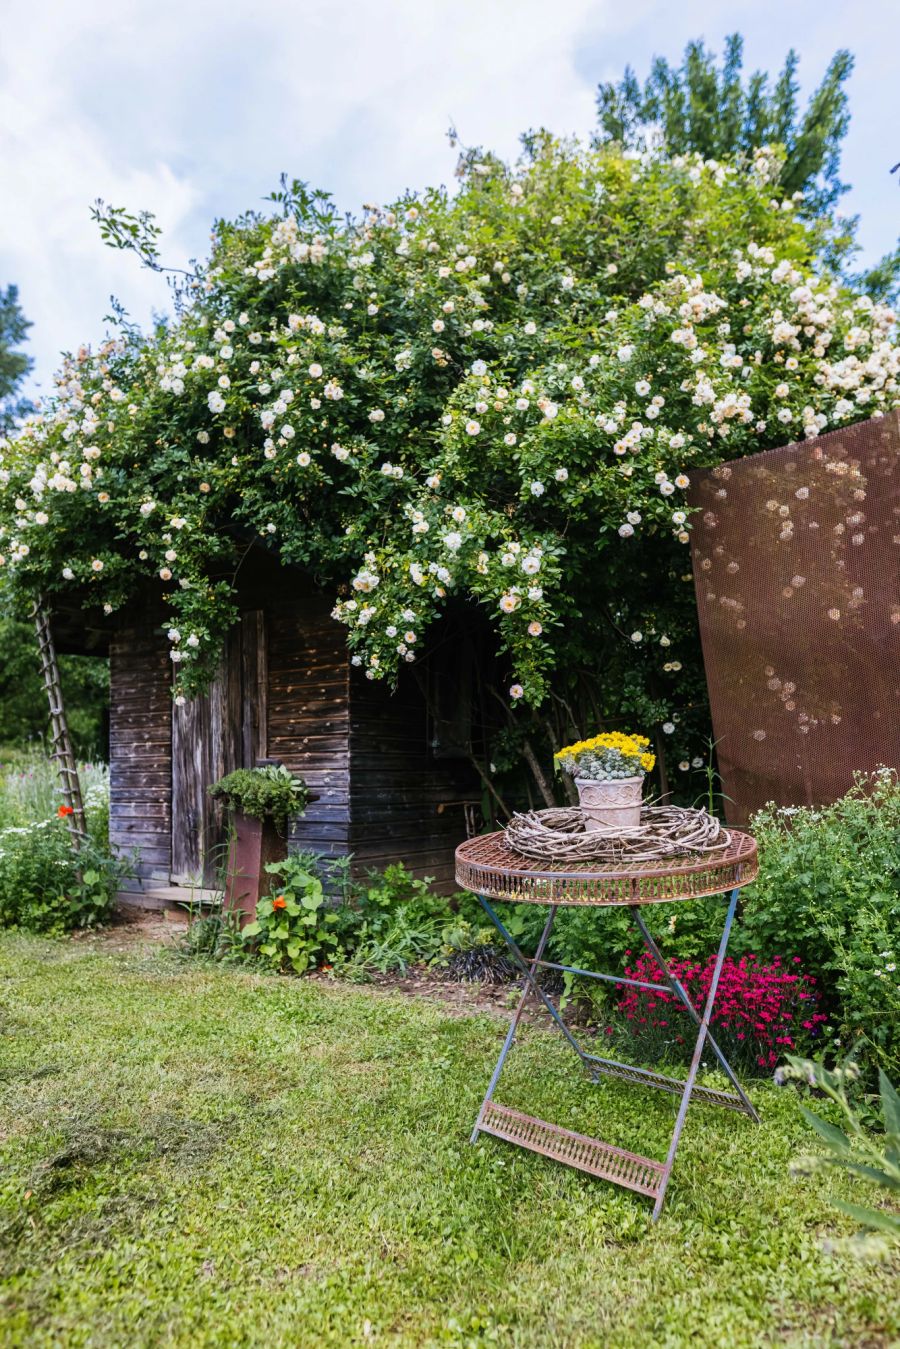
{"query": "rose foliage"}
[(495, 396)]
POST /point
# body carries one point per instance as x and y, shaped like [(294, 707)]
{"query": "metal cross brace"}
[(639, 1173)]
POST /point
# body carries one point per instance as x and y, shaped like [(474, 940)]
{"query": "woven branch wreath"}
[(664, 832)]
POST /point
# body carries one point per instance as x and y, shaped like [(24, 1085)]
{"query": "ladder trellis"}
[(62, 752)]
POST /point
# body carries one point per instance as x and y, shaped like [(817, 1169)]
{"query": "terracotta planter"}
[(253, 844), (611, 805)]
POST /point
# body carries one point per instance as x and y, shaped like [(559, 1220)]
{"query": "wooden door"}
[(222, 729)]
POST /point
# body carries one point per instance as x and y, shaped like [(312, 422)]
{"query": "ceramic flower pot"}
[(611, 805)]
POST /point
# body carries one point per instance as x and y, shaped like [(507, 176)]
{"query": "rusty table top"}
[(487, 866)]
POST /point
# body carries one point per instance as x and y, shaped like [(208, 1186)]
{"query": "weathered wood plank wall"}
[(308, 715), (140, 749)]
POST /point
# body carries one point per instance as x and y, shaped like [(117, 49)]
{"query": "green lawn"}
[(203, 1156)]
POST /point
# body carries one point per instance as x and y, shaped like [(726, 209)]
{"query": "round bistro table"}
[(493, 871)]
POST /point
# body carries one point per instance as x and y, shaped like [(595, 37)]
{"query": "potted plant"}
[(262, 801), (609, 773)]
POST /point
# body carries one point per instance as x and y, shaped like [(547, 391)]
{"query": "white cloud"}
[(191, 110)]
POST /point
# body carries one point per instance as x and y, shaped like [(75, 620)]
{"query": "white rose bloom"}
[(537, 489), (668, 727), (472, 428), (637, 637), (626, 531), (479, 368)]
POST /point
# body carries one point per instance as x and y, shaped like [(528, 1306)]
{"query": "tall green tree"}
[(14, 364), (707, 107)]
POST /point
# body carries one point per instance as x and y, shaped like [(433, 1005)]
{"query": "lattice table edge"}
[(489, 868)]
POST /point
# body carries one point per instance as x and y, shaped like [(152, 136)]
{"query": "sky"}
[(192, 109)]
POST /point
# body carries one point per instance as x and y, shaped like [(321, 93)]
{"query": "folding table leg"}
[(528, 974), (680, 992), (702, 1034), (511, 1033)]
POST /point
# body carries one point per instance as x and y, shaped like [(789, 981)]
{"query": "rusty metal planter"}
[(253, 844)]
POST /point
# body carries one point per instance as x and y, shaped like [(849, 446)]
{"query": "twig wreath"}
[(664, 832)]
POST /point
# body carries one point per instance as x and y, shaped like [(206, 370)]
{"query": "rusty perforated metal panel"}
[(797, 571)]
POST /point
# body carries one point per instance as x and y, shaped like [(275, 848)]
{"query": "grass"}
[(198, 1156)]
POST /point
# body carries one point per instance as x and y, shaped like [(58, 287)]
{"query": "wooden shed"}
[(393, 771)]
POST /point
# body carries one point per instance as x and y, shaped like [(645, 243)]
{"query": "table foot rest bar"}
[(643, 1077), (586, 1154)]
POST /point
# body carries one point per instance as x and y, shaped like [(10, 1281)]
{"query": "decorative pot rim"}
[(607, 782)]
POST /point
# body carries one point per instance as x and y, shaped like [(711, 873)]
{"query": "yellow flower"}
[(629, 746)]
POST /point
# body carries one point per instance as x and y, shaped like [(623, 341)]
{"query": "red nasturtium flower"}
[(279, 902), (64, 811)]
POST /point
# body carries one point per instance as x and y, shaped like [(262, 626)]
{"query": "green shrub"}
[(295, 926), (829, 892), (271, 793), (46, 886)]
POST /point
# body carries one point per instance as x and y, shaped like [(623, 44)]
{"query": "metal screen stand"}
[(643, 1174)]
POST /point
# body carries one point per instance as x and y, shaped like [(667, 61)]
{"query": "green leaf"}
[(833, 1136), (890, 1104), (871, 1217), (281, 932), (873, 1173), (252, 930)]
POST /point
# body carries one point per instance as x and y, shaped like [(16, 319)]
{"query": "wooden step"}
[(586, 1154)]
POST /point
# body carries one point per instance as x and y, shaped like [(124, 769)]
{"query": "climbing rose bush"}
[(497, 396)]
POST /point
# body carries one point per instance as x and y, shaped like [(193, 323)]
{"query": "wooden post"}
[(62, 751)]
